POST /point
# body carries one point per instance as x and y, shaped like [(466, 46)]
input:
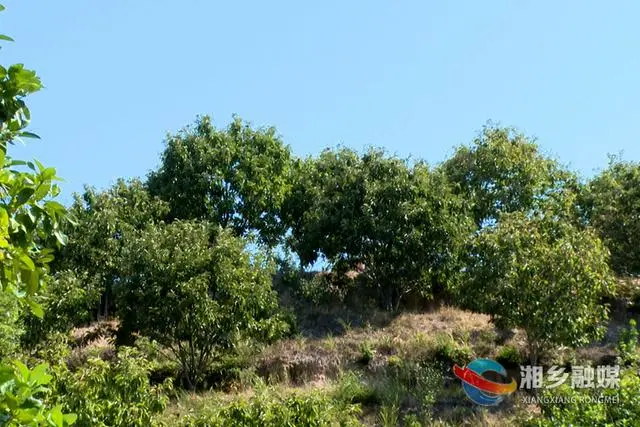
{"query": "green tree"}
[(237, 177), (196, 290), (29, 229), (503, 171), (104, 220), (69, 300), (612, 201), (541, 274), (401, 221)]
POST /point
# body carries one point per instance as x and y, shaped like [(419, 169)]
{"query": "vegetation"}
[(521, 268), (594, 407), (159, 301), (236, 178), (397, 220), (196, 291), (611, 204)]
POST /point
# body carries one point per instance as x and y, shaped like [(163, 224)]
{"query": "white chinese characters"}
[(602, 376)]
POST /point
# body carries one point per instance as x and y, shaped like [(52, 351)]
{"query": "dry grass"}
[(305, 364), (300, 360), (95, 340)]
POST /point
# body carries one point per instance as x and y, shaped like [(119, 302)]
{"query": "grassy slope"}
[(392, 367)]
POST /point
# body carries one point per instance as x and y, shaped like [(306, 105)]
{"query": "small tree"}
[(612, 202), (29, 230), (105, 219), (542, 275), (196, 291)]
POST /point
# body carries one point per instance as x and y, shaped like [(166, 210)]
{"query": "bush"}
[(367, 352), (447, 350), (576, 410), (509, 355), (70, 300), (263, 410), (628, 343), (542, 274), (114, 394), (352, 389), (10, 325)]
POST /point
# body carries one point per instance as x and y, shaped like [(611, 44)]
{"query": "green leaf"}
[(70, 419), (23, 371), (39, 374), (4, 218), (25, 134), (60, 237), (48, 173), (27, 261), (36, 309), (42, 190), (32, 280), (56, 417), (6, 38), (24, 195)]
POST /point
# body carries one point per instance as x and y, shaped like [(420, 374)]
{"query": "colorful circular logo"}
[(480, 390)]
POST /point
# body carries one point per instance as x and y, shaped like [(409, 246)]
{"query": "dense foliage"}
[(611, 200), (29, 230), (105, 219), (194, 288), (69, 300), (503, 171), (398, 220), (115, 393), (542, 275), (609, 407), (237, 177), (312, 410)]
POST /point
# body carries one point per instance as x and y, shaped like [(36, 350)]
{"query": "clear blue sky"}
[(417, 77)]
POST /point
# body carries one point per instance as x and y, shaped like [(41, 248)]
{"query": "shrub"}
[(509, 355), (114, 394), (576, 410), (628, 343), (263, 410), (448, 350), (352, 389), (367, 352), (24, 396), (70, 300)]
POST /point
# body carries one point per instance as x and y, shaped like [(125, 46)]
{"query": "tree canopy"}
[(612, 202), (400, 220), (237, 177), (503, 171)]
